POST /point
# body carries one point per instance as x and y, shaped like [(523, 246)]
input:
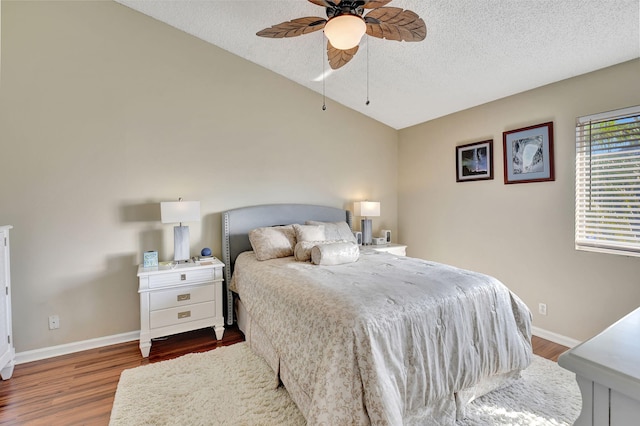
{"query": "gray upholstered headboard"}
[(237, 223)]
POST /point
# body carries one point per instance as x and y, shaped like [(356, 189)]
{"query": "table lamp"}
[(366, 209), (178, 212)]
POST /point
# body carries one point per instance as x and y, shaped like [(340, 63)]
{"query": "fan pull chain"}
[(367, 103), (324, 77)]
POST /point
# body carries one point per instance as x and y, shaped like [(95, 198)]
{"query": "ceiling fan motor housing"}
[(345, 7)]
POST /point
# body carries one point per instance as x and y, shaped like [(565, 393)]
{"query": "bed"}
[(384, 340)]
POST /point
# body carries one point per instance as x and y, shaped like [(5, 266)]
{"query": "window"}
[(608, 182)]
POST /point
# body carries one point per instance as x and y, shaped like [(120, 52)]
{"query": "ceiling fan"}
[(346, 23)]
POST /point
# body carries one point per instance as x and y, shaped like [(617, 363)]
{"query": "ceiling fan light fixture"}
[(345, 31)]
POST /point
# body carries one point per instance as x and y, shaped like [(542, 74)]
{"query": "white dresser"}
[(181, 298), (607, 369), (7, 351)]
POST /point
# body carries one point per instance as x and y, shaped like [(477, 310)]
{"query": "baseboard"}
[(555, 337), (52, 351)]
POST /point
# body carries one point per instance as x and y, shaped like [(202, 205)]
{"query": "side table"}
[(179, 298), (397, 249)]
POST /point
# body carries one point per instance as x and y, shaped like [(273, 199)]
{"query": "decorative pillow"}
[(273, 242), (335, 254), (309, 232), (302, 250), (335, 230)]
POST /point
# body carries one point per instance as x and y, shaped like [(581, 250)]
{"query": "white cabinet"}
[(607, 373), (174, 300), (7, 351)]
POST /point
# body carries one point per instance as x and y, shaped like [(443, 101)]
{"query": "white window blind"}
[(608, 182)]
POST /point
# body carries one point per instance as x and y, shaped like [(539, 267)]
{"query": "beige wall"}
[(105, 112), (522, 234)]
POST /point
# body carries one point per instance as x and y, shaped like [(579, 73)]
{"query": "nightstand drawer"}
[(184, 277), (181, 296), (181, 314)]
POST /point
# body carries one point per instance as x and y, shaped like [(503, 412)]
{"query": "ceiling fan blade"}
[(374, 4), (394, 23), (294, 28), (338, 58)]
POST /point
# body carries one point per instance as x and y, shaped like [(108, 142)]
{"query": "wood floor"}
[(78, 389)]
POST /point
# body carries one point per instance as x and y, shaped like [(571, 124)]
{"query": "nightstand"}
[(397, 249), (181, 298)]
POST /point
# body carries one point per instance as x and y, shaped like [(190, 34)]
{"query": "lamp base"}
[(365, 227), (180, 243)]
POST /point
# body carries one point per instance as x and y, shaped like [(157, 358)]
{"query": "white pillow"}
[(302, 250), (335, 254), (335, 230), (309, 232), (273, 242)]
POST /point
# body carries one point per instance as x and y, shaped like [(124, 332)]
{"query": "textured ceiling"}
[(476, 51)]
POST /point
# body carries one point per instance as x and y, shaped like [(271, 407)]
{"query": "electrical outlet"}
[(542, 308), (54, 322)]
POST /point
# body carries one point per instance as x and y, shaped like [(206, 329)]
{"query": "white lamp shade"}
[(366, 208), (180, 211), (345, 31)]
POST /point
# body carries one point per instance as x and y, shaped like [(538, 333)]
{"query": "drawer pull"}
[(185, 314), (183, 297), (183, 277)]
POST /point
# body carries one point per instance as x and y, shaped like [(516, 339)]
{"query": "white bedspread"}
[(386, 340)]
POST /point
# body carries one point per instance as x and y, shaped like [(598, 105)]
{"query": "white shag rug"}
[(232, 386)]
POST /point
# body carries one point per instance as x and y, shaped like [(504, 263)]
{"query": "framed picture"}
[(474, 161), (528, 154), (149, 259)]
